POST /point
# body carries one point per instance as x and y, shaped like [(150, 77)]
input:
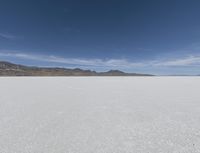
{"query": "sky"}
[(159, 36)]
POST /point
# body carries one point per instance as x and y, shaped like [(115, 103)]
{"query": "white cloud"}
[(75, 61), (186, 61), (109, 63)]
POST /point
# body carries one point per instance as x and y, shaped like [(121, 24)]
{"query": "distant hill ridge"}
[(10, 69)]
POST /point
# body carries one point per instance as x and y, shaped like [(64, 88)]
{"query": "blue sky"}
[(157, 36)]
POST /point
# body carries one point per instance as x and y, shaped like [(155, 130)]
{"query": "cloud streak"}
[(186, 61), (7, 36), (74, 61), (109, 63)]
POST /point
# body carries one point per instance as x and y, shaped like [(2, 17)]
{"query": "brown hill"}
[(10, 69)]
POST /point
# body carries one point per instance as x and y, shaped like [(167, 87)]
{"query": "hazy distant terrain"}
[(100, 115), (10, 69)]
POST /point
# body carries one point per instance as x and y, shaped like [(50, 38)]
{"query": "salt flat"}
[(100, 115)]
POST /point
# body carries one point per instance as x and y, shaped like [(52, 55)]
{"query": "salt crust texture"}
[(100, 115)]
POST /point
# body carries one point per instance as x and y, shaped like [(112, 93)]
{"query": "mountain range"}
[(10, 69)]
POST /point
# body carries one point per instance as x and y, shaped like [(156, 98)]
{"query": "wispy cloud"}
[(7, 36), (185, 61), (109, 63), (74, 61)]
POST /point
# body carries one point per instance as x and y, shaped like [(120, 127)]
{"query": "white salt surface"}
[(100, 115)]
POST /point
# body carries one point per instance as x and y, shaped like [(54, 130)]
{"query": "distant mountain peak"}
[(115, 71), (10, 69)]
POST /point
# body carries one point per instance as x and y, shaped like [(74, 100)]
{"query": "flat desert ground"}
[(99, 114)]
